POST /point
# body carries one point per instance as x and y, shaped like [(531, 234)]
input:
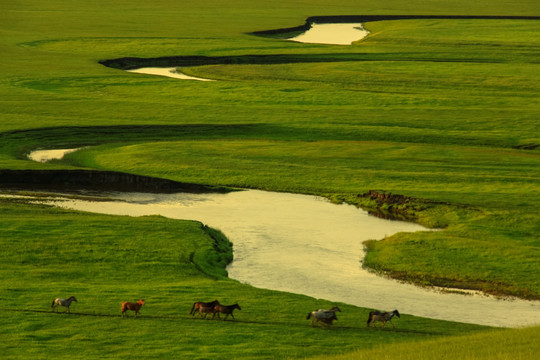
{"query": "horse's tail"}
[(369, 318), (52, 304), (308, 316), (192, 308)]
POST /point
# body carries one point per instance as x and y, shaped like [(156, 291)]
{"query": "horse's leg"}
[(233, 316), (325, 325)]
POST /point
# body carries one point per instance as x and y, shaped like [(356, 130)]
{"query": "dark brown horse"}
[(225, 309), (203, 307), (382, 317), (133, 306)]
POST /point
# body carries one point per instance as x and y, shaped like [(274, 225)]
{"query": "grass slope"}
[(515, 344)]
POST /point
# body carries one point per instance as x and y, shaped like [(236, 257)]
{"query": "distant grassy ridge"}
[(336, 19), (129, 63)]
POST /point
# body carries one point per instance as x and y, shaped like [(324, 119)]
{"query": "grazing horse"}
[(323, 316), (203, 307), (134, 306), (62, 302), (225, 309), (382, 317)]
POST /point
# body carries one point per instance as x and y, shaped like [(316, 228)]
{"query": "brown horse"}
[(134, 306), (225, 309), (382, 317), (203, 307), (62, 302), (207, 310)]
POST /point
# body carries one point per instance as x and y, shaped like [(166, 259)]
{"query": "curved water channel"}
[(307, 245), (330, 34)]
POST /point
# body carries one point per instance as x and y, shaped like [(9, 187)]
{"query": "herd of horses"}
[(321, 316), (327, 317), (213, 307)]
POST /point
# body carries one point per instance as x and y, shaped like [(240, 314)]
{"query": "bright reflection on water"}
[(334, 34), (304, 244), (48, 155), (168, 72)]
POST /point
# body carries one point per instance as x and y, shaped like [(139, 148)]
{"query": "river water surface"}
[(307, 245), (168, 72), (332, 34)]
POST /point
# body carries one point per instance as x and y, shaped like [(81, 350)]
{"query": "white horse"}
[(325, 317), (62, 302)]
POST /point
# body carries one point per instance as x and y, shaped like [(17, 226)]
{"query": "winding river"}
[(329, 34), (307, 245)]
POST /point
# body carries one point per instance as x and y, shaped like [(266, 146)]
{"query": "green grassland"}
[(510, 345), (105, 260), (444, 111)]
